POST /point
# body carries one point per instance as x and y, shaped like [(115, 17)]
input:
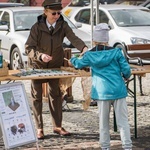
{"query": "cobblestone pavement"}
[(84, 124)]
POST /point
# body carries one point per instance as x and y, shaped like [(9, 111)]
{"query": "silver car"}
[(15, 25), (128, 24)]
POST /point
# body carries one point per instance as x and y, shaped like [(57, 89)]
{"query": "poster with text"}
[(15, 116)]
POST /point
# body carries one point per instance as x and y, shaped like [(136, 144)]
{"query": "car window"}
[(1, 12), (102, 17), (107, 1), (5, 19), (24, 20), (83, 16), (131, 17), (148, 6)]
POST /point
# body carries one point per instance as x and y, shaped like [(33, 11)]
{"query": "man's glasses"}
[(54, 13)]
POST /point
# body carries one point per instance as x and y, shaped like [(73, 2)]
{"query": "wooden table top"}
[(140, 70), (12, 75), (136, 70)]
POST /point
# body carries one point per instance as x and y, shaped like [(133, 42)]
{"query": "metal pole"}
[(97, 11), (92, 22)]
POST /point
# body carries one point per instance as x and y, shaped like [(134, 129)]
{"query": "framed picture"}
[(15, 116)]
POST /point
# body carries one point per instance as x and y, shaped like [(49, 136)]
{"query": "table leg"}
[(115, 124)]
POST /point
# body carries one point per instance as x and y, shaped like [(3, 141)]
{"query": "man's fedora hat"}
[(52, 4)]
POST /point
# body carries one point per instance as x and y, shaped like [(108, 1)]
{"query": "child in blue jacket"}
[(109, 69)]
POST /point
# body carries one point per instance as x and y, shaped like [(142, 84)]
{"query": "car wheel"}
[(123, 49), (15, 60)]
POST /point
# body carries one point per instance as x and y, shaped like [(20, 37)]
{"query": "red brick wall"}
[(65, 2), (36, 2), (39, 2)]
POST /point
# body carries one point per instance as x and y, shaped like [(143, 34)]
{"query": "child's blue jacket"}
[(108, 68)]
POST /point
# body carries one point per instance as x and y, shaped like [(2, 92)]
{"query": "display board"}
[(0, 132), (15, 116)]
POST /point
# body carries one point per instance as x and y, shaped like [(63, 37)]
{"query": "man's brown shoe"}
[(61, 132)]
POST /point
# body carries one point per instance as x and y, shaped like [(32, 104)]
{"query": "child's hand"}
[(69, 63), (126, 80)]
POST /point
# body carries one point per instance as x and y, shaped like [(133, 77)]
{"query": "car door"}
[(84, 17), (4, 34)]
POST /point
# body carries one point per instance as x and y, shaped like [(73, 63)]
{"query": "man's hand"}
[(46, 58)]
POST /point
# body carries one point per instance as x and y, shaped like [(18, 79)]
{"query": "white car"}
[(15, 25), (128, 24)]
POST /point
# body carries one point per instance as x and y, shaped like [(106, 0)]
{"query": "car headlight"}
[(135, 40)]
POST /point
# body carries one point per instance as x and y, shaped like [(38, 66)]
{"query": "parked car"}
[(128, 24), (71, 7), (129, 2), (2, 5), (82, 3), (75, 3), (15, 25), (146, 4)]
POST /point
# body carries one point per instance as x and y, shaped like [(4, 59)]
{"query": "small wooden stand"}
[(67, 54), (4, 70)]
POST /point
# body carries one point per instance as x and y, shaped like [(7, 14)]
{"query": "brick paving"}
[(84, 124)]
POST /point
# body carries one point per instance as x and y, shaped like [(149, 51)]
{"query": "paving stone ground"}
[(84, 125)]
